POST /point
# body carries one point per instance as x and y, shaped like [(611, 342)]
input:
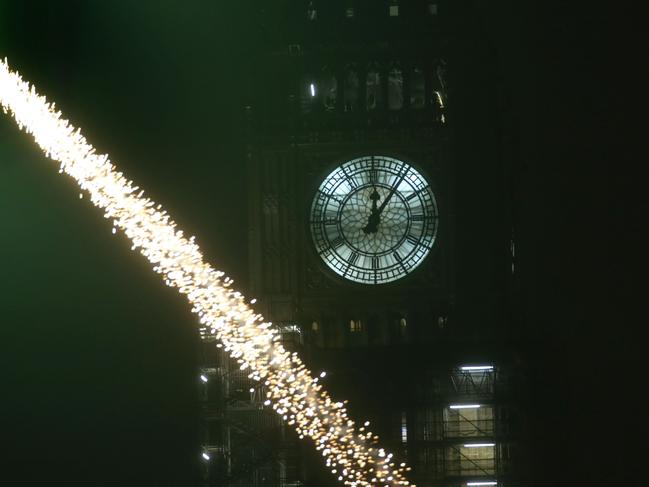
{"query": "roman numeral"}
[(420, 217), (337, 242), (350, 178), (350, 262), (415, 194), (375, 263), (373, 174), (413, 240), (330, 196)]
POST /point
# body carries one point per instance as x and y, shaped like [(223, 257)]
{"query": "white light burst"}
[(351, 453)]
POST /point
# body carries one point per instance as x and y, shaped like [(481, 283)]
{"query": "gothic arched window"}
[(311, 11), (355, 326), (349, 9), (439, 87), (328, 90), (395, 89), (393, 9), (373, 89), (417, 89), (309, 91), (351, 90), (440, 75)]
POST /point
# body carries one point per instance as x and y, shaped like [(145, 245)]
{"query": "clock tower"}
[(351, 215), (351, 237)]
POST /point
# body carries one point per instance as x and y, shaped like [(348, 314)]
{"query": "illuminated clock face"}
[(373, 219)]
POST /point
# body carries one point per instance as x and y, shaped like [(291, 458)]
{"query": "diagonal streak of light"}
[(350, 452)]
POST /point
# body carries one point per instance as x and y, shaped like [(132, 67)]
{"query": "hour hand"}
[(375, 215), (392, 191), (372, 222)]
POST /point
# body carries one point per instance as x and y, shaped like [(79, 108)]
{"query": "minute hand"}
[(392, 191)]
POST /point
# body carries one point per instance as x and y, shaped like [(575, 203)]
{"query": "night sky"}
[(98, 356)]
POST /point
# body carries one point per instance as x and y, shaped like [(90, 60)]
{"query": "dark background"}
[(98, 356)]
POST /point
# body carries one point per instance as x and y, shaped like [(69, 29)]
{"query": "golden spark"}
[(350, 452)]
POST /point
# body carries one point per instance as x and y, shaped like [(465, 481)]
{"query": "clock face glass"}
[(373, 219)]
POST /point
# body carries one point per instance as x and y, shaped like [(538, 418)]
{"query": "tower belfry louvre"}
[(352, 232)]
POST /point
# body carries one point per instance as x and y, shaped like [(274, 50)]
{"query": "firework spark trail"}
[(350, 452)]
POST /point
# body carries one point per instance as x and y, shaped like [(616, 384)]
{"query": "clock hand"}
[(373, 220), (392, 191), (374, 197), (375, 215)]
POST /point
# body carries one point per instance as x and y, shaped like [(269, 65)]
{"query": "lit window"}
[(309, 93), (417, 90), (404, 428), (349, 12), (394, 10), (328, 90), (355, 326), (403, 327), (285, 328), (351, 90), (432, 8), (311, 11), (395, 89), (438, 100), (373, 91), (440, 71), (315, 326)]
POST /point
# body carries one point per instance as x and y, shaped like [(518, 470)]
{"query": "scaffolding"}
[(452, 425), (461, 428), (243, 443)]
